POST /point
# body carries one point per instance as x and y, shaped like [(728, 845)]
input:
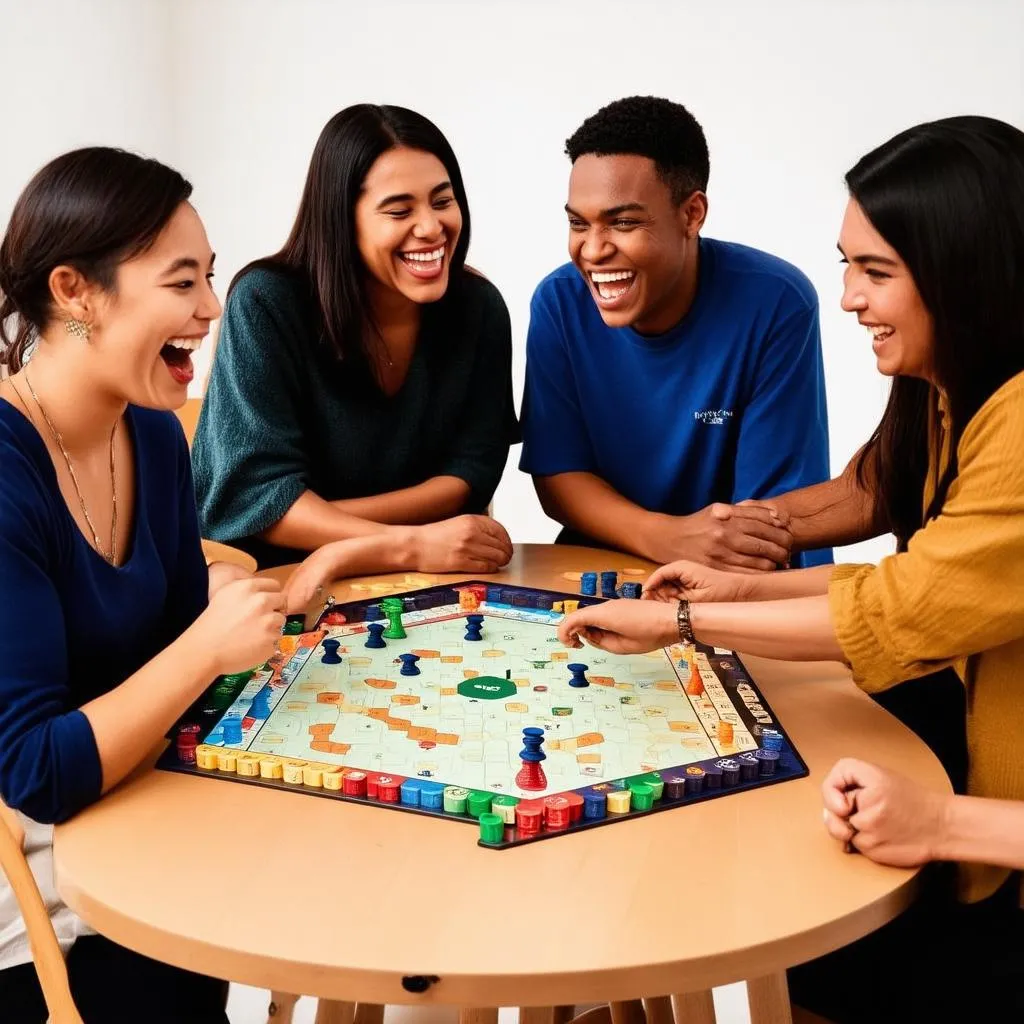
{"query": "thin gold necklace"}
[(74, 479)]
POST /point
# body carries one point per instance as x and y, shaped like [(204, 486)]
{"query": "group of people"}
[(359, 415)]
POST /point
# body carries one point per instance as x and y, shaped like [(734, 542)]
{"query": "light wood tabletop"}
[(342, 901)]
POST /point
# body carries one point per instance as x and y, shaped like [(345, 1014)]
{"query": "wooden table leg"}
[(369, 1013), (768, 999), (631, 1011), (694, 1007), (659, 1010), (595, 1015), (330, 1012), (479, 1016), (282, 1008)]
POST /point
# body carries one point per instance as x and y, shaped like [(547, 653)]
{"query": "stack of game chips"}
[(771, 739), (588, 584), (609, 581), (630, 590)]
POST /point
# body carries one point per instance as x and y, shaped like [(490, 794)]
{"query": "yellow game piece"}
[(332, 779), (570, 606), (248, 765), (313, 775), (206, 756), (725, 732), (270, 768), (557, 606), (618, 801), (293, 772), (227, 760)]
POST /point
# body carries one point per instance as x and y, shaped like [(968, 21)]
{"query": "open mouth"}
[(880, 333), (425, 265), (612, 287), (177, 356)]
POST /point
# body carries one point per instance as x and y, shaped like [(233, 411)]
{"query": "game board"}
[(419, 702)]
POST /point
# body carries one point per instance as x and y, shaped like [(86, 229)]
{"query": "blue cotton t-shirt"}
[(73, 626), (727, 405)]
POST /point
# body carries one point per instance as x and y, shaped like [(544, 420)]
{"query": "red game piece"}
[(531, 775), (575, 805), (354, 784), (557, 811), (529, 815), (389, 789)]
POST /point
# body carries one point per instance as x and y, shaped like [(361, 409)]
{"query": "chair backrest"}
[(46, 952), (188, 414)]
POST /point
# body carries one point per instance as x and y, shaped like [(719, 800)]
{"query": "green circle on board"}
[(487, 688)]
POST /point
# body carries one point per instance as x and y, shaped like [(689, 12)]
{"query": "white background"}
[(790, 94)]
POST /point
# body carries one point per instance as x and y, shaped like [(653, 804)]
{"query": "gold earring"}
[(77, 328)]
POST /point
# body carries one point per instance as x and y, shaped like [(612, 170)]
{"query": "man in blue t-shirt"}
[(669, 377)]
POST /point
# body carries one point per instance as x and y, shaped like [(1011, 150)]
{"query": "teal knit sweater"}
[(283, 414)]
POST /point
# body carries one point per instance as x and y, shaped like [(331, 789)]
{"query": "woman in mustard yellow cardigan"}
[(933, 242)]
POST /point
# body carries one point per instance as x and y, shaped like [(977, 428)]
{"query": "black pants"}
[(940, 962), (113, 985)]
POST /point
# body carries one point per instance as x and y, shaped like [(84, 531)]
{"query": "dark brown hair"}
[(91, 209)]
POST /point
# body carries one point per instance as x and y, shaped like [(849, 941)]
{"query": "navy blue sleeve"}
[(49, 762), (783, 436), (478, 453), (554, 436), (188, 589)]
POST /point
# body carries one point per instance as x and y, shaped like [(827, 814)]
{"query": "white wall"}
[(80, 73), (790, 95)]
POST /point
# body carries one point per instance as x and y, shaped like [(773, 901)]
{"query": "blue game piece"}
[(373, 612), (375, 640), (595, 804), (331, 656), (494, 595), (410, 792), (771, 739), (474, 625), (588, 584), (768, 760), (409, 664), (578, 677), (532, 740), (631, 591), (432, 795), (232, 726), (609, 581)]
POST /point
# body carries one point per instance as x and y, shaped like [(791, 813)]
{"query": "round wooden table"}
[(344, 901)]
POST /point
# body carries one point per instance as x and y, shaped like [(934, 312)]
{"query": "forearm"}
[(312, 522), (587, 504), (440, 497), (830, 514), (797, 629), (983, 831), (129, 721), (784, 584), (361, 556)]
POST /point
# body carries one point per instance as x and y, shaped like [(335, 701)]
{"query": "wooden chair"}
[(46, 951)]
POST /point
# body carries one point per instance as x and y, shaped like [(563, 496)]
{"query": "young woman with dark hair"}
[(108, 634), (933, 239), (362, 381)]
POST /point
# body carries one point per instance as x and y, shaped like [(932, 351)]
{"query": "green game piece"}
[(652, 779), (479, 803), (643, 796), (395, 630), (237, 678), (561, 712), (293, 627), (455, 798), (492, 829), (504, 806), (486, 687)]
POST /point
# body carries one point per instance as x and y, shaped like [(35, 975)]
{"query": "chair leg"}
[(282, 1008), (481, 1015), (659, 1010), (768, 999), (369, 1013), (694, 1007), (630, 1011), (328, 1011)]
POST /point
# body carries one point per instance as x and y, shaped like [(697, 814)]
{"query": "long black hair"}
[(322, 247), (91, 209), (948, 196)]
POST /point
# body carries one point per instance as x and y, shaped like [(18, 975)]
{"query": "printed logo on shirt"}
[(713, 417)]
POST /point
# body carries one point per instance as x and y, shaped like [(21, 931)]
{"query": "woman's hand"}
[(242, 624), (692, 581), (222, 573), (307, 582), (621, 627), (463, 544), (884, 815)]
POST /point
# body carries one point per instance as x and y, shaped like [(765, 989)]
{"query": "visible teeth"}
[(601, 277), (188, 344), (424, 257), (878, 333)]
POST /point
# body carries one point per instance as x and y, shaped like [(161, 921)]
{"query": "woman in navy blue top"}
[(107, 633)]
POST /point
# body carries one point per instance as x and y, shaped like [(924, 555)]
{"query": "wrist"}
[(401, 546), (649, 535), (195, 655), (955, 830)]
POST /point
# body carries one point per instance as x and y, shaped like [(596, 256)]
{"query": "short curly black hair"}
[(653, 127)]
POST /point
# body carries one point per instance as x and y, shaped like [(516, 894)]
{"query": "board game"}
[(459, 701)]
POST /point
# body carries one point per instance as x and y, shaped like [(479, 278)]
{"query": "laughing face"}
[(159, 313), (879, 288), (636, 247), (407, 223)]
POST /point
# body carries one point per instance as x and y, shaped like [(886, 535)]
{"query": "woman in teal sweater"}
[(362, 380)]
